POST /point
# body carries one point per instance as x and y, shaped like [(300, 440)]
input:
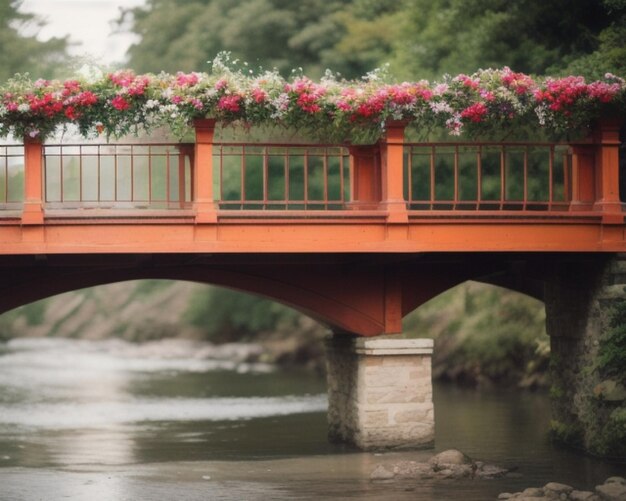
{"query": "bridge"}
[(356, 236)]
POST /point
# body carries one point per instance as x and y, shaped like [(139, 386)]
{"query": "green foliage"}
[(423, 38), (145, 288), (454, 36), (420, 38), (32, 313), (611, 361), (184, 35), (565, 433), (227, 315), (20, 53), (483, 331), (610, 55)]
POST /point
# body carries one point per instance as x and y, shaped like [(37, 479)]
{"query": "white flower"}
[(24, 108), (454, 125), (151, 103), (440, 107), (540, 111)]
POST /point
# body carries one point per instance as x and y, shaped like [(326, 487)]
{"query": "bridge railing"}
[(117, 176), (281, 177), (488, 176), (393, 179)]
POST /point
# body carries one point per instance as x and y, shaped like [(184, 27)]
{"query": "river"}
[(107, 420)]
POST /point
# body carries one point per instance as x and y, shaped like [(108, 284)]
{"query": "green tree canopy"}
[(21, 53), (420, 38), (184, 35), (532, 36)]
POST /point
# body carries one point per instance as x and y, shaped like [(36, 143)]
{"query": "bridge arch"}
[(364, 295)]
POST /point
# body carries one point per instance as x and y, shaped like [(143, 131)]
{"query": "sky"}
[(87, 22)]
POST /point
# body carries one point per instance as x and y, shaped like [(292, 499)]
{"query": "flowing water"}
[(113, 421)]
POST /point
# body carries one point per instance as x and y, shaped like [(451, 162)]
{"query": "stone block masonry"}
[(380, 392)]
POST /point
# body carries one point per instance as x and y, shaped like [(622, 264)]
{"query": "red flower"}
[(87, 98), (71, 113), (119, 103), (475, 112)]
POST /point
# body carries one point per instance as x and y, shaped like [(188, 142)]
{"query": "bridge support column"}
[(585, 317), (380, 392)]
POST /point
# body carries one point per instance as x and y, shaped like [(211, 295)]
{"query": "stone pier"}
[(380, 392), (585, 318)]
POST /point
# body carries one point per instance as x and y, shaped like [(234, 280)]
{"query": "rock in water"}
[(612, 491), (381, 473), (582, 496), (444, 459), (558, 488)]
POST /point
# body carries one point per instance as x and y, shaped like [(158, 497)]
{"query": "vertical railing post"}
[(392, 170), (32, 212), (606, 140), (365, 186), (583, 177), (202, 172), (185, 151)]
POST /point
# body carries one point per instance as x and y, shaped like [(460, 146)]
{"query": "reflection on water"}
[(109, 420), (79, 402)]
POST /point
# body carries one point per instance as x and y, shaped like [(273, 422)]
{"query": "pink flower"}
[(71, 87), (119, 103), (487, 95), (468, 81), (259, 95), (519, 82), (187, 79), (308, 103), (122, 78), (230, 103), (603, 92)]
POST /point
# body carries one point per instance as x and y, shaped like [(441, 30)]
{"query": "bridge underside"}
[(362, 294)]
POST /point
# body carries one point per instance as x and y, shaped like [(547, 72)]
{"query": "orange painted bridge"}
[(356, 236)]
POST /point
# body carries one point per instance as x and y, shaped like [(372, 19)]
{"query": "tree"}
[(20, 53), (460, 36), (610, 55), (184, 35)]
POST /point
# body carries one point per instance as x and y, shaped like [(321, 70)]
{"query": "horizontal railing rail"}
[(118, 176), (488, 176), (281, 176)]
